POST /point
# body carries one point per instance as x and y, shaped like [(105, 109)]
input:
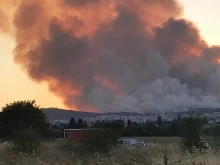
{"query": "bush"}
[(22, 115), (102, 140), (26, 141), (191, 130)]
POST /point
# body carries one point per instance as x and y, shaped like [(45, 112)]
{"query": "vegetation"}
[(23, 124), (158, 151), (22, 115), (132, 129), (26, 127), (26, 141), (212, 130), (191, 129), (102, 140), (77, 125)]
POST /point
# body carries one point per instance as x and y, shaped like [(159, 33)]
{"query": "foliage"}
[(80, 124), (156, 153), (157, 128), (129, 123), (191, 130), (102, 140), (72, 123), (26, 140), (22, 115), (212, 131), (85, 125), (113, 125), (159, 121), (214, 142), (56, 133)]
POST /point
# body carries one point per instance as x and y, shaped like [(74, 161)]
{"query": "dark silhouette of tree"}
[(191, 129), (85, 125), (72, 123), (159, 121), (179, 118), (22, 115), (102, 140), (129, 123), (80, 123)]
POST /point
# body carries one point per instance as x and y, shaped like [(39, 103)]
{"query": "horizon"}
[(187, 109)]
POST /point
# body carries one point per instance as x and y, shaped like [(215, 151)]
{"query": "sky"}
[(16, 85)]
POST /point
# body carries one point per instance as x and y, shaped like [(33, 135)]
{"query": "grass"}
[(59, 152), (159, 140)]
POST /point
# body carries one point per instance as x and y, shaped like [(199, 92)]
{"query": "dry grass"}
[(58, 153)]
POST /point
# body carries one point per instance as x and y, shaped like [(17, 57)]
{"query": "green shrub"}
[(102, 140), (198, 144), (26, 140), (22, 115), (191, 130)]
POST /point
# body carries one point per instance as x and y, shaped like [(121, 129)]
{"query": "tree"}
[(26, 141), (102, 140), (22, 115), (114, 124), (191, 129), (80, 123), (85, 125), (159, 121), (129, 123), (72, 123)]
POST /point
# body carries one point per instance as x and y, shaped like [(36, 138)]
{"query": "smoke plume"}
[(115, 55)]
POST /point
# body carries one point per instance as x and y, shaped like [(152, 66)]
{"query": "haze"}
[(16, 84)]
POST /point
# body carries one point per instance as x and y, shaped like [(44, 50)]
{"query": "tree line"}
[(24, 121), (25, 114), (132, 129)]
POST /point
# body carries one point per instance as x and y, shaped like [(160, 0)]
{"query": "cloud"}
[(80, 3), (116, 56)]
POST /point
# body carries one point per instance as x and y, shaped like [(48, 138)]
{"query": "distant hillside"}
[(62, 114), (202, 110), (191, 110)]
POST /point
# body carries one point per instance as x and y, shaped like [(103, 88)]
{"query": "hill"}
[(63, 114)]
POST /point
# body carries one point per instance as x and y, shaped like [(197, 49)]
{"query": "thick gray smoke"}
[(113, 55), (160, 92)]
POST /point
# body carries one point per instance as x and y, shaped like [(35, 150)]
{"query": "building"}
[(77, 134)]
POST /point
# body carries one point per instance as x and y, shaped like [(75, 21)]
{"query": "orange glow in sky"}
[(218, 60), (15, 84)]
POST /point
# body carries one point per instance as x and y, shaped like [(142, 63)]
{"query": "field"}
[(159, 151)]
